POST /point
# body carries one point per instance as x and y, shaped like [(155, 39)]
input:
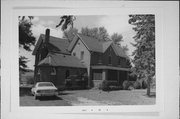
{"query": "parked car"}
[(44, 89)]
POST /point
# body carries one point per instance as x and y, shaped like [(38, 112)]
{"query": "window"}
[(38, 72), (99, 59), (82, 55), (119, 61), (67, 73), (109, 60), (53, 71)]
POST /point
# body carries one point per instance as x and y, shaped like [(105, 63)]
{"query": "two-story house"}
[(56, 59), (104, 60), (53, 62)]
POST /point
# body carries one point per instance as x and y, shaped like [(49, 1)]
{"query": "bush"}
[(127, 84), (137, 85), (105, 85), (144, 84), (109, 85)]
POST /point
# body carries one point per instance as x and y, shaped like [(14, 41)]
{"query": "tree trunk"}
[(148, 86)]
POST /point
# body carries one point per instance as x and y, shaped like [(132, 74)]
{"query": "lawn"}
[(98, 97)]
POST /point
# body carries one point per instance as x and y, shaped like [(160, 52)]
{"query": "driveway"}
[(91, 97), (45, 101)]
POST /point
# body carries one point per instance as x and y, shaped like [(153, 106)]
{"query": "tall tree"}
[(98, 33), (144, 55), (26, 39), (69, 34), (65, 21)]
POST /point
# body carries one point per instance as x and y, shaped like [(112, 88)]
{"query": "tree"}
[(117, 38), (144, 55), (98, 33), (69, 34), (65, 21), (26, 39)]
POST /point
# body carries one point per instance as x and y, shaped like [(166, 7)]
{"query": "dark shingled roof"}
[(118, 50), (55, 59), (92, 43), (97, 46), (55, 44)]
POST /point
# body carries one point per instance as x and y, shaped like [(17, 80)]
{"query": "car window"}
[(45, 84)]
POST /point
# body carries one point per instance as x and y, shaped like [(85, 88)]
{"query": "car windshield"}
[(44, 84)]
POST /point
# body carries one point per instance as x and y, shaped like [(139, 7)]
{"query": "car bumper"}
[(47, 94)]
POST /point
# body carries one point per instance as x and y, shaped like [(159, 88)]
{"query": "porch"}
[(109, 73)]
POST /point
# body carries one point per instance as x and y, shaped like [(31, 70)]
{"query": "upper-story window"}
[(109, 60), (53, 71), (99, 59), (82, 55), (119, 61)]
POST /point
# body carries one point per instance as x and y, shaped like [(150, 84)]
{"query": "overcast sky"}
[(113, 24)]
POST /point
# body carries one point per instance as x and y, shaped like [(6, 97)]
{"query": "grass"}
[(122, 97)]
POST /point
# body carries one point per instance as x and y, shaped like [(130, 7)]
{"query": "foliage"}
[(144, 55), (137, 85), (127, 84), (117, 38), (65, 21), (109, 85), (98, 33), (69, 34), (26, 39)]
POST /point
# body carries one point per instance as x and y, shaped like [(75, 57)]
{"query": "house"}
[(53, 62), (104, 60), (56, 59)]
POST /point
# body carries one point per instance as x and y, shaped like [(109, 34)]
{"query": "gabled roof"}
[(56, 59), (118, 50), (97, 46), (55, 44)]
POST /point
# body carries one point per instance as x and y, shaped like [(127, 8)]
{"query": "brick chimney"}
[(47, 35)]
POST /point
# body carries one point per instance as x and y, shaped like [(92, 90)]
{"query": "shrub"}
[(105, 85), (127, 84), (137, 85), (144, 84)]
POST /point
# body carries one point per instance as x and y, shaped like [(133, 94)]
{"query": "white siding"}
[(79, 47)]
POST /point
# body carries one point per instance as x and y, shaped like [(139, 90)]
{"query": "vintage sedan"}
[(44, 89)]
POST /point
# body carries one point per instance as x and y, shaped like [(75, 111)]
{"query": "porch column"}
[(104, 74)]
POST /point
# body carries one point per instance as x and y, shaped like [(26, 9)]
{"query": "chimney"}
[(47, 35)]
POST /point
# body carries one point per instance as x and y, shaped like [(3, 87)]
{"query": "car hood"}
[(46, 88)]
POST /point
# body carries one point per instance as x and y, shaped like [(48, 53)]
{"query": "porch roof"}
[(56, 60), (109, 67)]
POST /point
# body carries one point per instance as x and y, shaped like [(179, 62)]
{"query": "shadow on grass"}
[(152, 95), (64, 93), (48, 98)]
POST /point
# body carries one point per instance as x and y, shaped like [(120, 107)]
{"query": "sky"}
[(114, 24)]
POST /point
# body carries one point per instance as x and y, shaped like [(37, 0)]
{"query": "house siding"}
[(59, 78), (103, 58), (79, 47)]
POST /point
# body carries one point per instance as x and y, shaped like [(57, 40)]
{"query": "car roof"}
[(43, 82)]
